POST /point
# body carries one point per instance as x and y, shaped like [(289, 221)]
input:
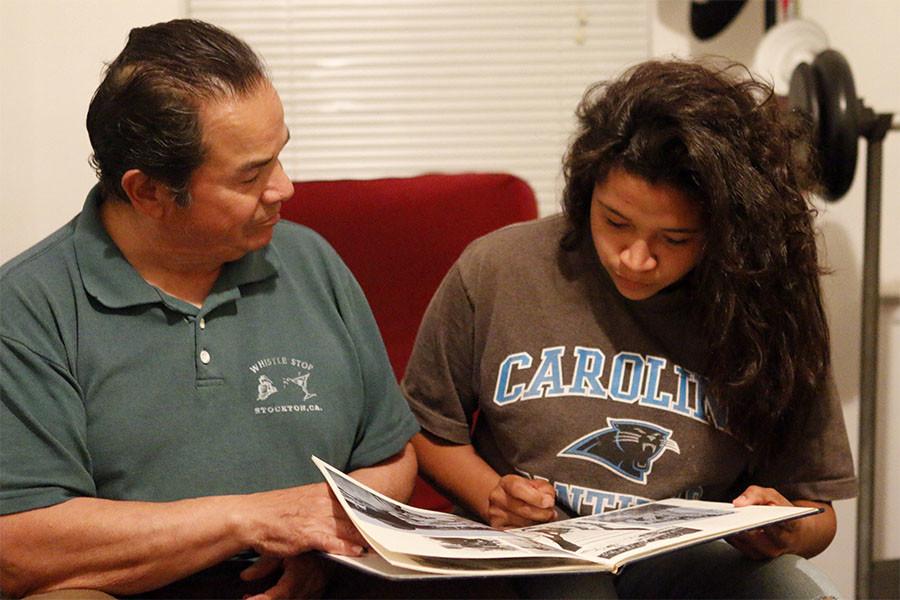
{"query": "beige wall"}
[(51, 56), (867, 36)]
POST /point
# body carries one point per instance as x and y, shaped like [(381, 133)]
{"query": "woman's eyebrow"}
[(685, 230), (681, 230), (613, 211)]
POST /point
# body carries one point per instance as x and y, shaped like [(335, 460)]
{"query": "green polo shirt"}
[(112, 388)]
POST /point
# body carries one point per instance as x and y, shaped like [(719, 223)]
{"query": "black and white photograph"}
[(655, 515), (411, 540)]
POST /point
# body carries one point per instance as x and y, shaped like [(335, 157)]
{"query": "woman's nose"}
[(637, 257)]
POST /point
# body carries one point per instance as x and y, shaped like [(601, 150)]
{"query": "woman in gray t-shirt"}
[(665, 336)]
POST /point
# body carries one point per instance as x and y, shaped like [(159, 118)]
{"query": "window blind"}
[(389, 88)]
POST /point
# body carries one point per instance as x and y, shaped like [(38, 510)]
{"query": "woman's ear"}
[(147, 195)]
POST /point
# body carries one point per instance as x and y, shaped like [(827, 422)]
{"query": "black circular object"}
[(825, 90), (838, 122), (803, 93), (709, 17)]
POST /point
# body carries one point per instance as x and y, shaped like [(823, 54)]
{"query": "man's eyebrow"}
[(259, 163), (686, 230)]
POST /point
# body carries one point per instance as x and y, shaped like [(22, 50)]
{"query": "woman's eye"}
[(676, 241), (615, 224)]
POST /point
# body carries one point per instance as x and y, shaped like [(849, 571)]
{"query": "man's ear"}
[(148, 196)]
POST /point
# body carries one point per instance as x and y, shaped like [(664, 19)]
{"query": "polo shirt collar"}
[(108, 276)]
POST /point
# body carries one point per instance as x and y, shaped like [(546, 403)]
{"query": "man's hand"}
[(304, 576), (292, 521), (805, 537), (125, 547), (518, 502)]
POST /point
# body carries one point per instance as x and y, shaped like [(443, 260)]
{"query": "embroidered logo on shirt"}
[(265, 388), (292, 394), (627, 447), (300, 381)]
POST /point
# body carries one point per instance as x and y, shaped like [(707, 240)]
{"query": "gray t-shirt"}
[(575, 384), (114, 389)]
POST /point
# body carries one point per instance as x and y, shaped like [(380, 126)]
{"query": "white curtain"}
[(383, 88)]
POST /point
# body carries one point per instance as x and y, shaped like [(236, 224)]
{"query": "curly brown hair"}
[(720, 137)]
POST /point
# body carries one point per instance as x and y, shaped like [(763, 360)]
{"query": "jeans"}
[(711, 570)]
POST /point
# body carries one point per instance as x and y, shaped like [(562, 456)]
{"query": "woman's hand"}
[(805, 537), (518, 502)]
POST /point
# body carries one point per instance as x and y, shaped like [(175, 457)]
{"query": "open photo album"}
[(408, 542)]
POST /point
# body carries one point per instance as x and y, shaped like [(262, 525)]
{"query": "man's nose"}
[(280, 188)]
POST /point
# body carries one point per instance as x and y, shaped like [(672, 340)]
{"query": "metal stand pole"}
[(874, 128)]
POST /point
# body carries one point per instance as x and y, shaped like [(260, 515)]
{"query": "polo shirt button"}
[(202, 323), (204, 357)]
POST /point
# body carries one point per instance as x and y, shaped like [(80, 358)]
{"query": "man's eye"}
[(252, 179)]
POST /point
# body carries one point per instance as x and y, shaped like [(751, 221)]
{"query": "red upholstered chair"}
[(400, 236)]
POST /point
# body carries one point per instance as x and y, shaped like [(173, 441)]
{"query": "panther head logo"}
[(627, 447)]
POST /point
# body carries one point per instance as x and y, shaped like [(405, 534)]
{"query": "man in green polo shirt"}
[(173, 355)]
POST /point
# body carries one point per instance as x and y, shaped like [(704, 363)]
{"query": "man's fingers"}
[(334, 545), (264, 566), (346, 530), (338, 526), (304, 576), (285, 587)]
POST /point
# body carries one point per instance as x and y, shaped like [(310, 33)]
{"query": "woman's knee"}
[(716, 570)]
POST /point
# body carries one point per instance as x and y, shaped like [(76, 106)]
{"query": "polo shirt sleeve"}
[(44, 458), (387, 423)]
